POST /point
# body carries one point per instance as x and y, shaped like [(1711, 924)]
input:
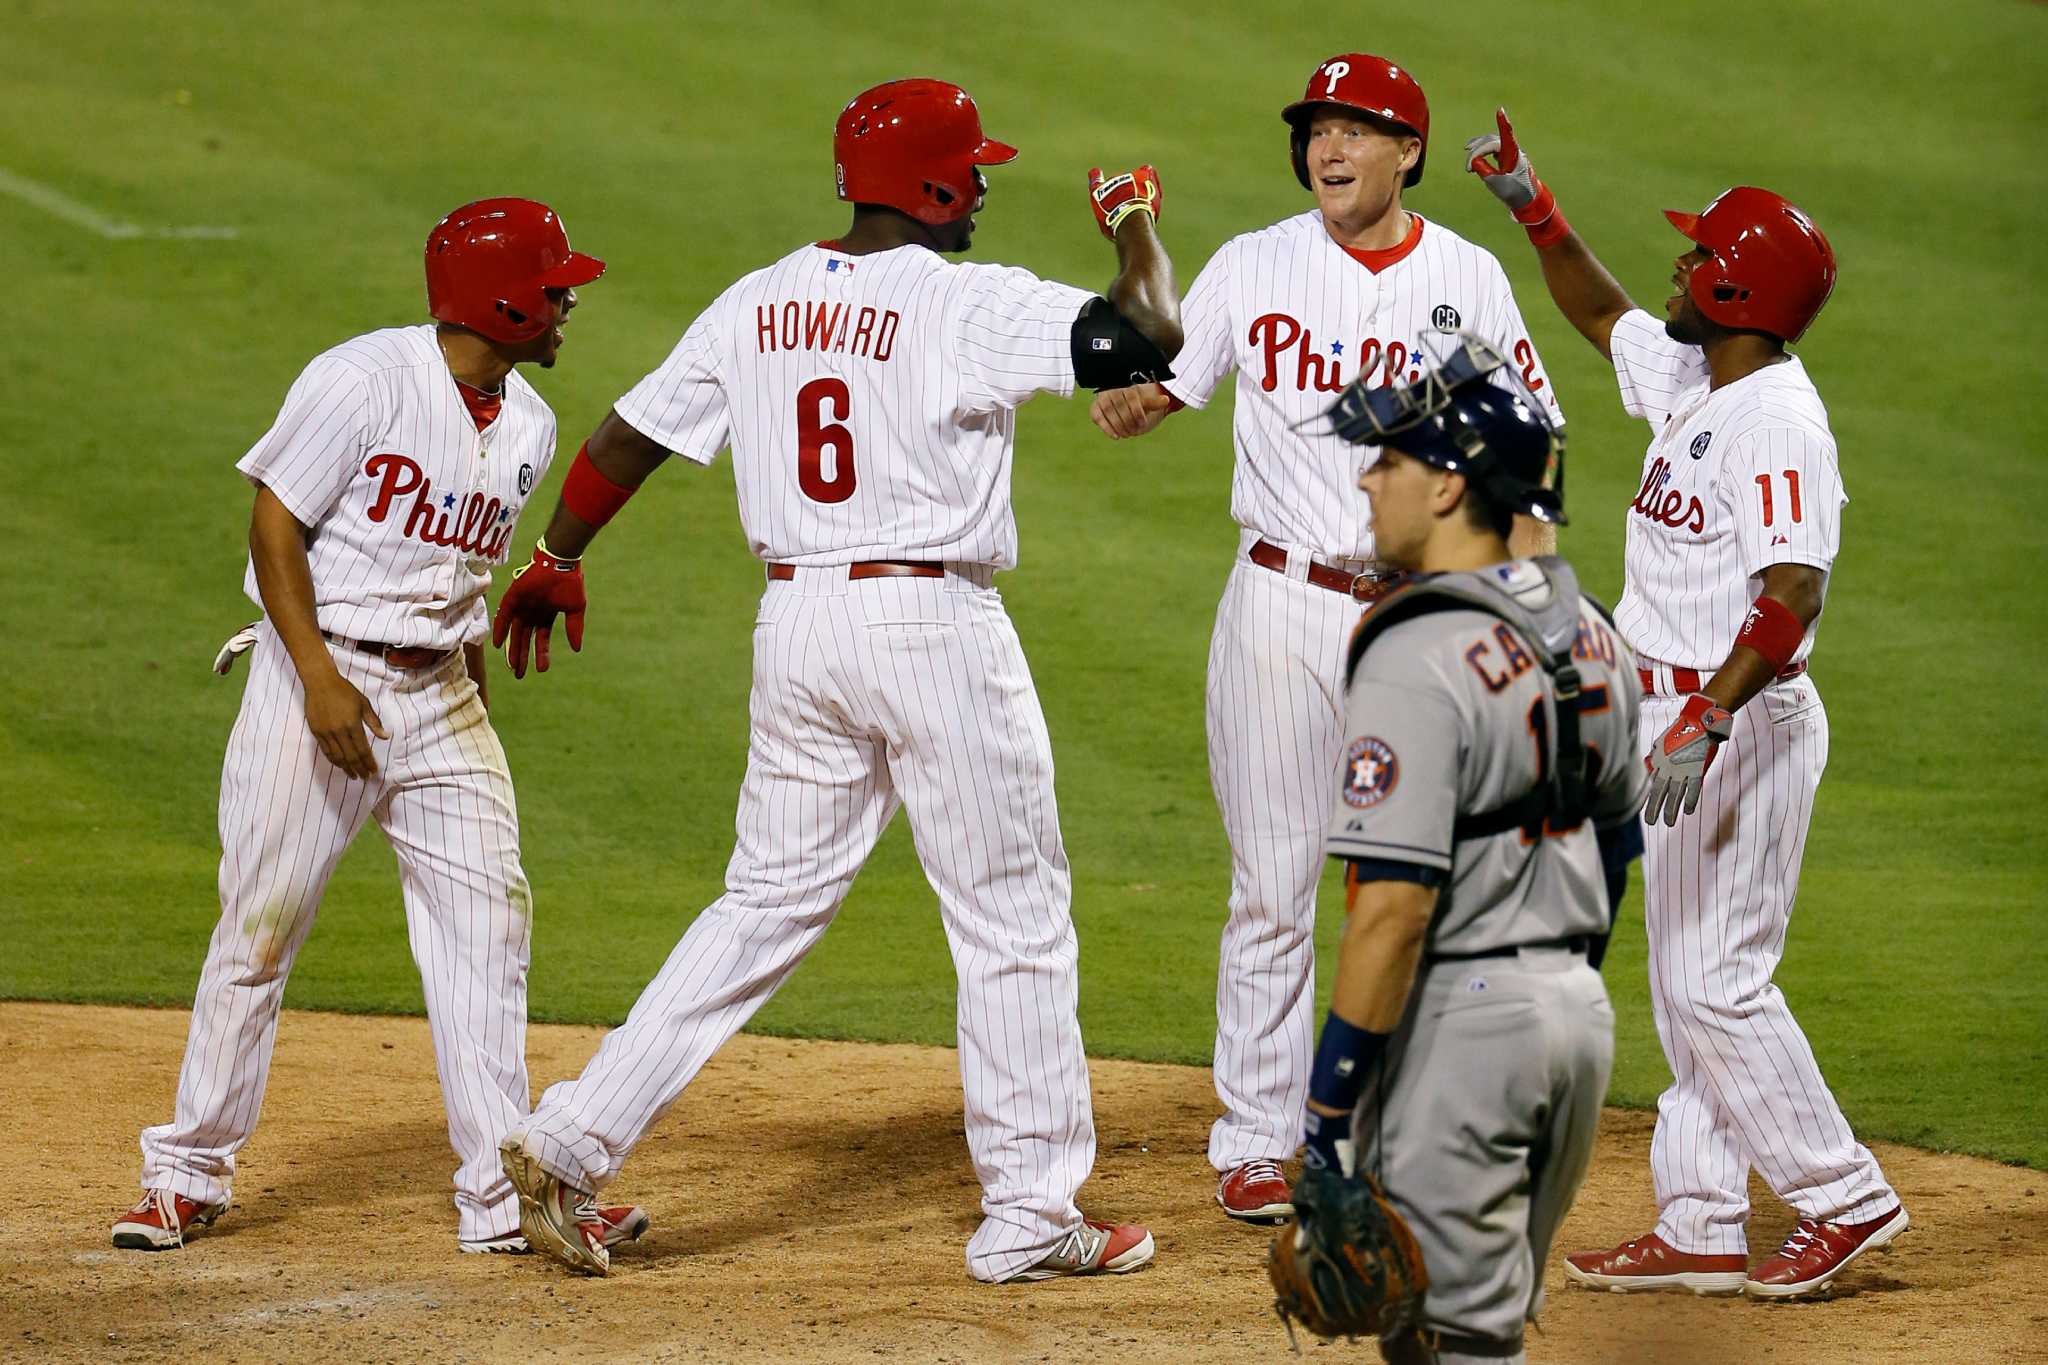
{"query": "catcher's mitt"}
[(1348, 1266)]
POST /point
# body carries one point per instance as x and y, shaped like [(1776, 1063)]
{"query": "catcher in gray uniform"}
[(1492, 723)]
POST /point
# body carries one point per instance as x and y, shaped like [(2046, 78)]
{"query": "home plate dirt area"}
[(810, 1202)]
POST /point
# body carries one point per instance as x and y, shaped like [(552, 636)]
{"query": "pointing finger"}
[(1510, 152)]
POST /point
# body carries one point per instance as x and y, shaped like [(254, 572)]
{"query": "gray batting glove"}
[(1679, 760), (1506, 170), (240, 643)]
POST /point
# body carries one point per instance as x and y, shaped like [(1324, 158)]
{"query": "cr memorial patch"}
[(1370, 772)]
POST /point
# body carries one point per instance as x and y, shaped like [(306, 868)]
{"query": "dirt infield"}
[(810, 1202)]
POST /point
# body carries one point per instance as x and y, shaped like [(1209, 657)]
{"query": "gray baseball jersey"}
[(1450, 715)]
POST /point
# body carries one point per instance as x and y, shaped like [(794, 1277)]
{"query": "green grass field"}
[(688, 148)]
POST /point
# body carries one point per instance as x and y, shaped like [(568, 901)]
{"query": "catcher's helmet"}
[(1371, 85), (914, 145), (1772, 269), (491, 263), (1456, 418)]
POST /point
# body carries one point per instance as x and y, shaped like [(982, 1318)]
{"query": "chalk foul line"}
[(60, 205)]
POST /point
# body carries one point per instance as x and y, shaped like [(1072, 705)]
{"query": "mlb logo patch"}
[(835, 265), (1098, 343)]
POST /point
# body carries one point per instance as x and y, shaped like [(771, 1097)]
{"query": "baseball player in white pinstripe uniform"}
[(1298, 310), (867, 388), (1730, 542), (385, 491)]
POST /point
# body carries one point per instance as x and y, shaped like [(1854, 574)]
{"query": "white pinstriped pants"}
[(1717, 898), (443, 797), (867, 696), (1276, 736)]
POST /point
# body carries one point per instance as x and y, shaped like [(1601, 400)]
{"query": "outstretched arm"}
[(609, 469), (1584, 292)]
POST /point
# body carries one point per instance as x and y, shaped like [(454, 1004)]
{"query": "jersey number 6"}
[(814, 435)]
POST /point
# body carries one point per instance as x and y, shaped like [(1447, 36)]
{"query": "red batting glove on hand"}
[(1679, 760), (1502, 167), (1120, 196), (546, 587)]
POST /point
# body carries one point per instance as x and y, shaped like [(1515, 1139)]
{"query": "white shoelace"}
[(1802, 1238), (1261, 1170)]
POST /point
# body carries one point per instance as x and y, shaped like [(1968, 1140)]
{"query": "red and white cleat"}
[(1256, 1192), (1650, 1262), (160, 1221), (1816, 1252), (1093, 1249)]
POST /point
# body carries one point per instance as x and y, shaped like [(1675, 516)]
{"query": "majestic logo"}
[(525, 479), (1445, 318), (1700, 444), (1370, 772), (477, 524)]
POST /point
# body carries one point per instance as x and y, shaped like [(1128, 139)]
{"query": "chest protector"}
[(1542, 607)]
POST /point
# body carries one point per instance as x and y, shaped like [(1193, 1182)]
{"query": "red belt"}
[(398, 656), (1365, 587), (869, 568), (1686, 681)]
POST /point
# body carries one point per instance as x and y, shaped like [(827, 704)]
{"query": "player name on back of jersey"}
[(835, 328)]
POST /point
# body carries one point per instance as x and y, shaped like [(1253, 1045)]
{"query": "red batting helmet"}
[(1771, 269), (1371, 85), (913, 145), (491, 263)]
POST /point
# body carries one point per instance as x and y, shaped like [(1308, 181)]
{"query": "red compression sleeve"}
[(590, 497), (1772, 630)]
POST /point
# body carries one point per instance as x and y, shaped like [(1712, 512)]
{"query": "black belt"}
[(1577, 943)]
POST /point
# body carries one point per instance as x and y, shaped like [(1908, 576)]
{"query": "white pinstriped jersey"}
[(869, 401), (1298, 317), (1735, 480), (408, 503)]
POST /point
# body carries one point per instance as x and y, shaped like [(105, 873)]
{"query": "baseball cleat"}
[(1092, 1249), (622, 1223), (557, 1219), (1256, 1192), (1649, 1263), (160, 1220), (1816, 1252)]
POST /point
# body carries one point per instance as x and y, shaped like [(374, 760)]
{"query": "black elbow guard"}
[(1109, 353)]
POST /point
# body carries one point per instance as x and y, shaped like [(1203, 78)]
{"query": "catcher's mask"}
[(1458, 417)]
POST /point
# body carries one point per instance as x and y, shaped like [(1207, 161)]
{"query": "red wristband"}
[(1550, 231), (590, 497), (1772, 631)]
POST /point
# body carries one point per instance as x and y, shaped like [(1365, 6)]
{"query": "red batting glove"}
[(1679, 760), (1120, 196), (1499, 162), (545, 588)]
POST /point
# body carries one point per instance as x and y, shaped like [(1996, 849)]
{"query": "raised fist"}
[(1120, 196)]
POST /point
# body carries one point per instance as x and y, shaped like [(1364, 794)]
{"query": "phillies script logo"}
[(477, 525), (1276, 335), (1667, 505)]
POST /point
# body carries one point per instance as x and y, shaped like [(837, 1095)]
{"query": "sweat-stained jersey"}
[(1447, 715), (1297, 317), (1735, 480), (869, 401), (409, 505)]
